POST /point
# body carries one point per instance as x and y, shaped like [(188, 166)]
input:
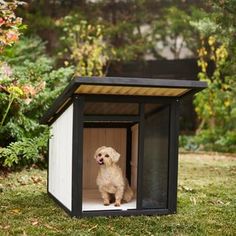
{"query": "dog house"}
[(137, 117)]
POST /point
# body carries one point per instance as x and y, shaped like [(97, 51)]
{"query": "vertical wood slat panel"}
[(131, 90), (95, 138), (60, 158), (134, 156)]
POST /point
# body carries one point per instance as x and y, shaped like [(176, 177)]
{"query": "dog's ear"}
[(98, 150), (115, 155)]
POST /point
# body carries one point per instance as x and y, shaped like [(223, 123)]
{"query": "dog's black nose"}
[(101, 159)]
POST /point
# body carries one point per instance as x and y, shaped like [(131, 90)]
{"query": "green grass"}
[(206, 205)]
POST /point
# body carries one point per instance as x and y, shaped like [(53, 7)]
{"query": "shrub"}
[(10, 24), (216, 105), (25, 152), (84, 45), (29, 84)]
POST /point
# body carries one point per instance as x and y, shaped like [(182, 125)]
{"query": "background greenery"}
[(58, 39)]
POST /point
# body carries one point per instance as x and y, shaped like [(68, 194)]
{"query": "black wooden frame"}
[(80, 121)]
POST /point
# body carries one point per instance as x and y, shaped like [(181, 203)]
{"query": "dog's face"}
[(106, 156)]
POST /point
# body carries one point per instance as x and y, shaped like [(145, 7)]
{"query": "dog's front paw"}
[(117, 203), (106, 202)]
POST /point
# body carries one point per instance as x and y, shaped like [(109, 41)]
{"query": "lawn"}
[(206, 205)]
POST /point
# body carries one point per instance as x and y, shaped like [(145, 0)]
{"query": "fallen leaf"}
[(6, 227), (1, 188), (36, 179), (94, 227), (17, 210), (23, 180), (218, 202), (35, 222), (51, 227), (185, 188), (48, 226), (24, 233), (193, 200)]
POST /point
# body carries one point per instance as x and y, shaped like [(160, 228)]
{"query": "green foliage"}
[(10, 24), (216, 105), (173, 30), (217, 140), (154, 25), (210, 140), (25, 152), (84, 45), (28, 89), (188, 143)]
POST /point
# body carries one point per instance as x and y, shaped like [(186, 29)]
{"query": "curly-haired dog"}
[(110, 179)]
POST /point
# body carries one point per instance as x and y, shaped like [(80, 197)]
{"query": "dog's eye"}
[(99, 154), (106, 155)]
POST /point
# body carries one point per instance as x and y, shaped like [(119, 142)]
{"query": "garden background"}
[(43, 44)]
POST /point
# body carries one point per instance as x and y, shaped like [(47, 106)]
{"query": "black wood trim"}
[(66, 94), (173, 156), (77, 156), (130, 212), (140, 157), (108, 124), (126, 98), (111, 118), (109, 213), (190, 93), (52, 115), (139, 82), (60, 204)]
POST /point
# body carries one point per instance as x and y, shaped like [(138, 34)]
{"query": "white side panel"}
[(60, 158)]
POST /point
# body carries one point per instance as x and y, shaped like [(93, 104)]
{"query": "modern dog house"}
[(137, 117)]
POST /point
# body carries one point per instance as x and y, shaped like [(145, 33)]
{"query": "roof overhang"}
[(122, 87)]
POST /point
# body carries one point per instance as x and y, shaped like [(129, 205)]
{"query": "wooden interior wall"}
[(95, 138), (134, 157)]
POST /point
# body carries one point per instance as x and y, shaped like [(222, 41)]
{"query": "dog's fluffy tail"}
[(128, 194)]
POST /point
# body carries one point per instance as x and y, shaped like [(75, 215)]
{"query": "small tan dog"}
[(110, 179)]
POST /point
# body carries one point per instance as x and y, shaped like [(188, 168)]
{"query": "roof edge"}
[(66, 96)]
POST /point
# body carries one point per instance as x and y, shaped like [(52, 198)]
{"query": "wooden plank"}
[(60, 158), (134, 157), (127, 90)]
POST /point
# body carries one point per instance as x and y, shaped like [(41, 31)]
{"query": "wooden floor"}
[(92, 201)]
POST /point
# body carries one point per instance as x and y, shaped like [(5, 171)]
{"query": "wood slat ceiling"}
[(128, 90)]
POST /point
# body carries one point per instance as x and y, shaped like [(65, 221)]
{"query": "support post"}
[(77, 156), (173, 156), (140, 157)]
